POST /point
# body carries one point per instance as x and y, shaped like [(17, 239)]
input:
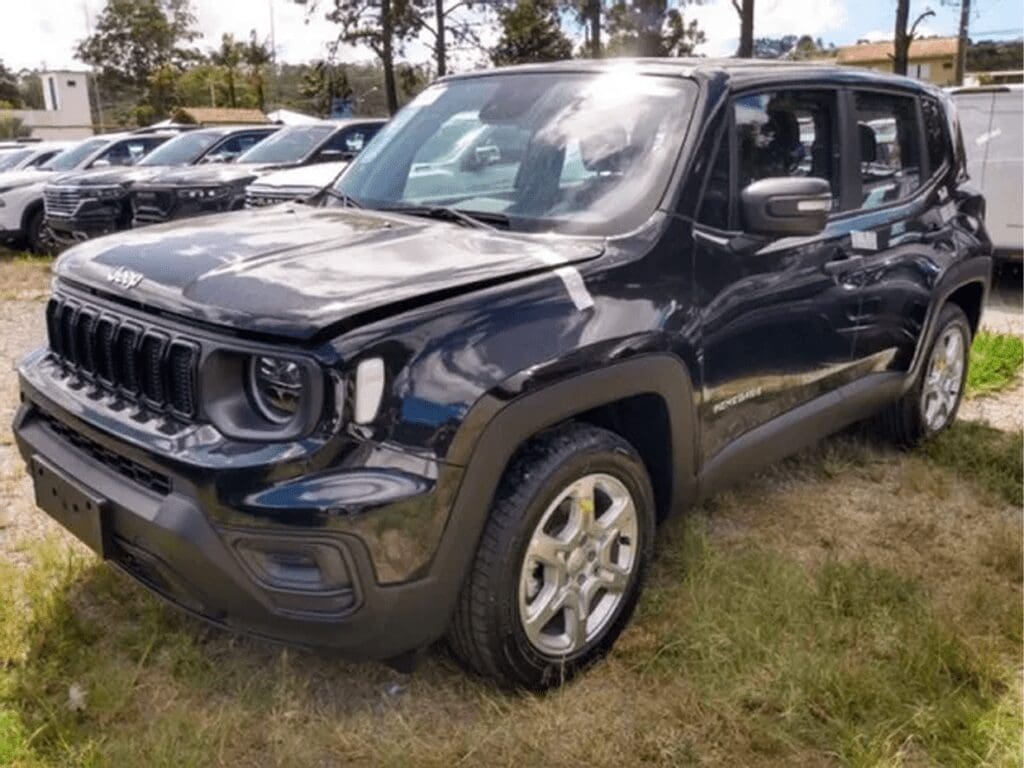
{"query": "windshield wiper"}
[(348, 202), (475, 219)]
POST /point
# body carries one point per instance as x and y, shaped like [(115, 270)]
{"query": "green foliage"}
[(651, 28), (995, 56), (996, 360), (135, 45), (13, 127), (10, 92), (530, 32)]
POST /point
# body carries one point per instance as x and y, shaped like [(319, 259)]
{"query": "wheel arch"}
[(494, 431), (970, 297)]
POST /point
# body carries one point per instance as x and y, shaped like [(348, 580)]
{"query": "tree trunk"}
[(961, 51), (901, 41), (388, 55), (441, 49), (594, 13), (746, 49)]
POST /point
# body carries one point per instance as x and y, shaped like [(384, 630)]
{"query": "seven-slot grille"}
[(61, 201), (124, 356), (260, 198)]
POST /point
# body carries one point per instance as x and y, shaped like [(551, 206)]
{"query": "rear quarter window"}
[(938, 145)]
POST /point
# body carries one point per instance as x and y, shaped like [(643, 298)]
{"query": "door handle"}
[(842, 264)]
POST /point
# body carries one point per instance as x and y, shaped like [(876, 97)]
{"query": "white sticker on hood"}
[(572, 279), (985, 138)]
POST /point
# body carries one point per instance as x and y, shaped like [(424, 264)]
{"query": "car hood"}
[(301, 272), (318, 175), (106, 177), (20, 178), (212, 174)]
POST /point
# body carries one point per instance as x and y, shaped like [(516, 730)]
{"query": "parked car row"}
[(56, 194)]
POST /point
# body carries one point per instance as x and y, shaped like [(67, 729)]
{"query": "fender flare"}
[(972, 271), (494, 430)]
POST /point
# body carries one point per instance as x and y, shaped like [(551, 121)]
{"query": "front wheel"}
[(932, 403), (561, 562)]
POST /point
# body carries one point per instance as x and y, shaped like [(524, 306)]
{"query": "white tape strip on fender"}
[(572, 280)]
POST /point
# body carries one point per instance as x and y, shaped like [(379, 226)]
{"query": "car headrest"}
[(868, 143)]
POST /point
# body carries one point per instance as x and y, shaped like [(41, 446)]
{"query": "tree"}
[(994, 56), (323, 83), (530, 32), (651, 28), (229, 58), (257, 54), (13, 127), (133, 40), (745, 9), (383, 26), (789, 47), (10, 93), (903, 38)]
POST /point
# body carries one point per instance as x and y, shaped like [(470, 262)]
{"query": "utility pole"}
[(273, 55), (92, 75), (961, 48)]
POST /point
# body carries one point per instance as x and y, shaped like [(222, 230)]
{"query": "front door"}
[(775, 334)]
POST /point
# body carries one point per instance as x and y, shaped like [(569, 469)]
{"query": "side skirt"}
[(799, 428)]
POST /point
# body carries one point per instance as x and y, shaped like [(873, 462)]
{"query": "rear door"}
[(901, 231), (774, 334)]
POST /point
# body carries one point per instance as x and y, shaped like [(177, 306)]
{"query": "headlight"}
[(203, 193), (103, 193), (277, 388)]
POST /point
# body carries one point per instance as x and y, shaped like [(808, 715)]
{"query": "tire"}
[(541, 506), (906, 422), (36, 239)]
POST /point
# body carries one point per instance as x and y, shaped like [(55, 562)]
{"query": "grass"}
[(23, 275), (996, 360), (843, 608)]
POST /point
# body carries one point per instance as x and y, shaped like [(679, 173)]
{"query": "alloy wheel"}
[(944, 379), (578, 565)]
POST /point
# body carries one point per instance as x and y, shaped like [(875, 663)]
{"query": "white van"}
[(992, 120)]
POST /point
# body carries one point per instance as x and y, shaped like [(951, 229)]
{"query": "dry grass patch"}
[(23, 276)]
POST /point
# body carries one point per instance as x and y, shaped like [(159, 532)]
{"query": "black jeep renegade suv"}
[(545, 307)]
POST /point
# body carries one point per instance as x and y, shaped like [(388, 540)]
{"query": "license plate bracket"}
[(77, 508)]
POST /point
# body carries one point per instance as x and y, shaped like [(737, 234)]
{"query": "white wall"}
[(67, 114)]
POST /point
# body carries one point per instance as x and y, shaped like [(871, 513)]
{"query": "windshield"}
[(9, 160), (182, 150), (572, 152), (72, 158), (289, 145)]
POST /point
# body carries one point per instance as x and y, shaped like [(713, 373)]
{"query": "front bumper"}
[(268, 568), (68, 230)]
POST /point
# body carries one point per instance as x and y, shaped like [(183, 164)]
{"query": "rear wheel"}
[(932, 403), (561, 561), (37, 235)]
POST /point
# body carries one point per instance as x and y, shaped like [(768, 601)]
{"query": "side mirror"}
[(786, 206)]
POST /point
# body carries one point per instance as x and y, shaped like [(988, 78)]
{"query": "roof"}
[(739, 72), (222, 115), (927, 48)]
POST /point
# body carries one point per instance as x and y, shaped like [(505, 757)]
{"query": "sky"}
[(37, 33)]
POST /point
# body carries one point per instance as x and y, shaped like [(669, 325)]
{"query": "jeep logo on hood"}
[(125, 278)]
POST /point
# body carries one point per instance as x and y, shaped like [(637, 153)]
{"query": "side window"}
[(890, 165), (236, 145), (350, 141), (41, 158), (787, 133), (935, 134), (714, 207)]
